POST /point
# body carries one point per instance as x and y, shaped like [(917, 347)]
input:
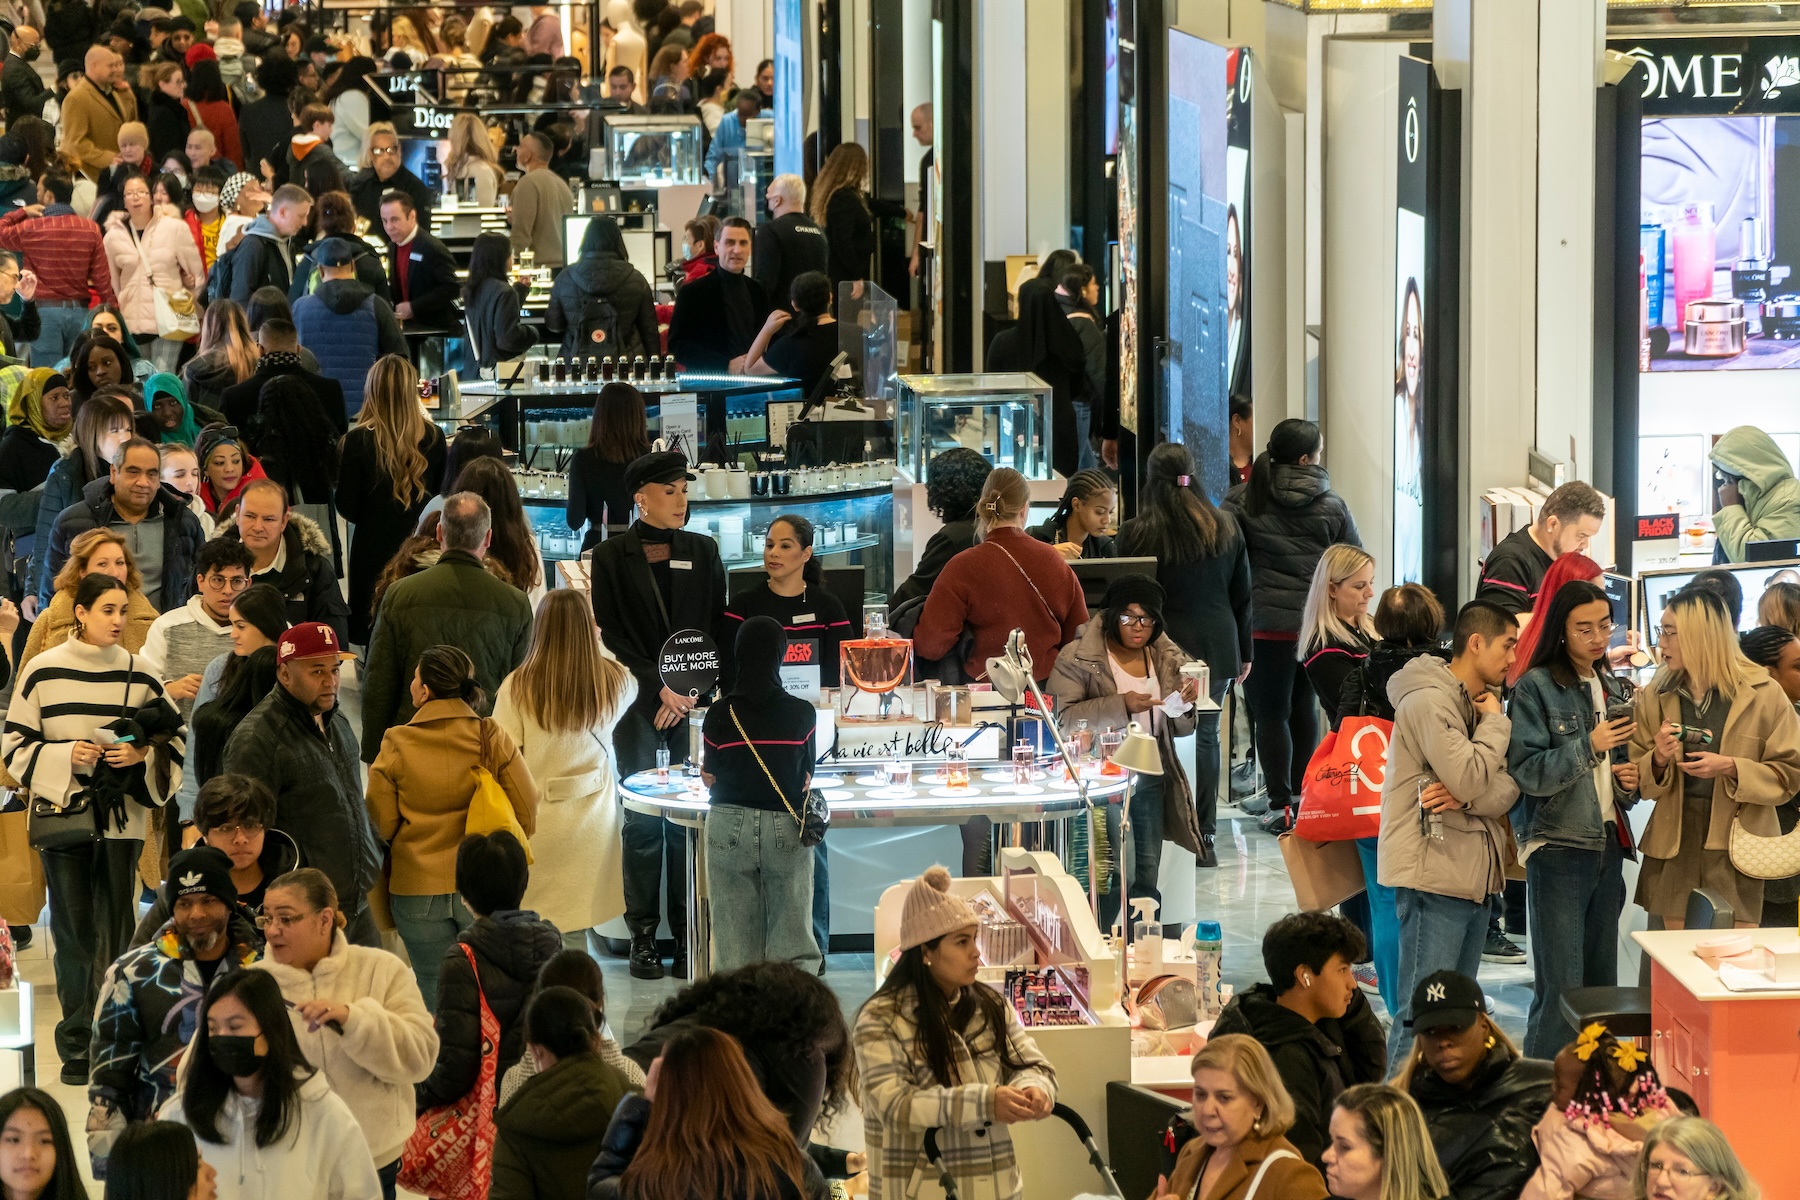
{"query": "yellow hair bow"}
[(1628, 1057), (1589, 1041)]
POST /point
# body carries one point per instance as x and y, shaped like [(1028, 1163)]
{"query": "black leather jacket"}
[(1483, 1132)]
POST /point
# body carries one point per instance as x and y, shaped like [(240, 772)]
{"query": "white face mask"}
[(206, 201)]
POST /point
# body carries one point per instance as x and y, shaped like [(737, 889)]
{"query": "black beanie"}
[(1140, 590), (202, 870)]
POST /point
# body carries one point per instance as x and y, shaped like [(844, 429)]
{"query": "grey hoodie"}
[(1433, 717)]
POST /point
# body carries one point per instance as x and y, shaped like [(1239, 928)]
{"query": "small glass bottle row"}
[(562, 372)]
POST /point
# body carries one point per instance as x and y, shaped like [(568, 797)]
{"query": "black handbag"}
[(814, 818), (77, 823)]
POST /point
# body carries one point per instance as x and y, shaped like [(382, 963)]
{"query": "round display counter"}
[(860, 798)]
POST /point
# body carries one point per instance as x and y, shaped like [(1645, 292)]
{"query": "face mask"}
[(206, 201), (31, 55), (236, 1056)]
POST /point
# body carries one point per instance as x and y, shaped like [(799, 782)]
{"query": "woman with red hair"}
[(1571, 566)]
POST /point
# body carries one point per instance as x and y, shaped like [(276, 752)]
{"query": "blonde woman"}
[(393, 462), (838, 205), (1780, 605), (453, 52), (560, 707), (1335, 630), (1380, 1149), (1241, 1115), (470, 156), (96, 552), (1715, 741), (1689, 1157)]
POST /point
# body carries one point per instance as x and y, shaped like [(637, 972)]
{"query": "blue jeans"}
[(821, 899), (1575, 898), (62, 325), (1146, 846), (1384, 926), (759, 878), (1084, 423), (429, 925), (1437, 933)]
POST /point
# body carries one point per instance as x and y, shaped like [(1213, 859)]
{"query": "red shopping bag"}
[(450, 1155), (1341, 796)]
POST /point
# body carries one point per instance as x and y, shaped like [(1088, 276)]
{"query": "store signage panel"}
[(1412, 175), (1716, 76)]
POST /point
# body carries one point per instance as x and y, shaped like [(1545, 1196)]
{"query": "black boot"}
[(679, 968), (21, 936), (646, 963), (1208, 857)]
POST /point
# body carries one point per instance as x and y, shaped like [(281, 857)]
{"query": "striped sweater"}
[(65, 695)]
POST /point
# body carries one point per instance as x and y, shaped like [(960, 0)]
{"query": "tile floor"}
[(1248, 891)]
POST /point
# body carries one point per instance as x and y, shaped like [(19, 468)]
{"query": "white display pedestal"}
[(16, 1052)]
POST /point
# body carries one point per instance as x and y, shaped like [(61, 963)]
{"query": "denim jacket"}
[(1552, 760)]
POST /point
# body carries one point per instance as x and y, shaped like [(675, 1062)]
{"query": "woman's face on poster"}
[(1234, 265), (1412, 343)]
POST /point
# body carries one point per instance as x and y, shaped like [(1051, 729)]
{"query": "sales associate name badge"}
[(1656, 542)]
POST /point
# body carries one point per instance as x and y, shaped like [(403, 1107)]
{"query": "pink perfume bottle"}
[(1694, 254)]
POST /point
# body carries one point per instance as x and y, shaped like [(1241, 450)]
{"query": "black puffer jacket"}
[(307, 581), (601, 276), (1483, 1132), (1316, 1062), (510, 949), (1365, 691), (1286, 538)]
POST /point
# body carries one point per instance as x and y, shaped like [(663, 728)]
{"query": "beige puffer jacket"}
[(166, 257)]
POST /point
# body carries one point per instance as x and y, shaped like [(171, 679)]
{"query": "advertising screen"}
[(790, 115), (1196, 369), (1409, 322)]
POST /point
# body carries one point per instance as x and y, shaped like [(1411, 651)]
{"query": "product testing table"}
[(858, 798)]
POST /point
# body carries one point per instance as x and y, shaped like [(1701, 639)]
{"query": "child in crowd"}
[(1607, 1099)]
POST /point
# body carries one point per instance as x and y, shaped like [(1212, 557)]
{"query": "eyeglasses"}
[(232, 833), (236, 583), (1679, 1173), (1604, 629), (1130, 619), (384, 150), (282, 920), (1668, 633)]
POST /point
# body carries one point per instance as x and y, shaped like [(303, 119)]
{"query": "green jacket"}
[(1767, 489), (455, 603), (549, 1133)]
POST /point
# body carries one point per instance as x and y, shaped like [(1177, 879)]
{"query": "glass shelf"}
[(1003, 416)]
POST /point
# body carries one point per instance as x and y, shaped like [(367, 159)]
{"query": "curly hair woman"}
[(953, 483)]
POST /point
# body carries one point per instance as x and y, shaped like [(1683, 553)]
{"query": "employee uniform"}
[(805, 354), (784, 249), (1513, 573), (422, 273), (647, 584)]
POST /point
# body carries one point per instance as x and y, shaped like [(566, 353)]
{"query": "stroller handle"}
[(1073, 1120)]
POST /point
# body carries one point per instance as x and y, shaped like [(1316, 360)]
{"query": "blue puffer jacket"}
[(62, 488), (1552, 760), (347, 326)]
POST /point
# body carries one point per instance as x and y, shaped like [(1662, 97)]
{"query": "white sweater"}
[(87, 687), (577, 878), (321, 1158), (388, 1043)]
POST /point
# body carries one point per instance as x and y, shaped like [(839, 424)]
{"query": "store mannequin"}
[(628, 49)]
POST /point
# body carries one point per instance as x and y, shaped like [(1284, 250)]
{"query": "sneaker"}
[(1500, 950), (1277, 821), (646, 963), (75, 1072), (1208, 856), (21, 936), (1366, 978), (1254, 805)]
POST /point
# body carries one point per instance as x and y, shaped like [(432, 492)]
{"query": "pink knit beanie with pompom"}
[(932, 911)]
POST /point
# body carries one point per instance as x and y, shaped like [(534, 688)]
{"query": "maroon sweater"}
[(982, 589)]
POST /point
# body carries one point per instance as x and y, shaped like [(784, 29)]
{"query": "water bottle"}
[(1433, 821), (1209, 951)]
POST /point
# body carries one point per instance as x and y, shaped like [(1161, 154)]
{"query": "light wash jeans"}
[(760, 879), (429, 925), (1384, 926), (62, 325), (821, 899), (1437, 933)]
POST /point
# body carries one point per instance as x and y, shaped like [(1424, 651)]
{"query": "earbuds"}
[(1305, 979)]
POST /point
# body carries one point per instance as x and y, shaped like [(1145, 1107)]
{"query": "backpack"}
[(598, 313), (218, 279)]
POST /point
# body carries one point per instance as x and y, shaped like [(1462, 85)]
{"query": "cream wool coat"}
[(388, 1044), (577, 881)]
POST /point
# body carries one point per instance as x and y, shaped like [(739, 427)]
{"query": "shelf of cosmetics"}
[(1695, 307), (560, 372), (715, 483)]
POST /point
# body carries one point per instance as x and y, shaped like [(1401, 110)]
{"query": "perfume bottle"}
[(1695, 255), (562, 371), (607, 367), (638, 369), (1750, 275)]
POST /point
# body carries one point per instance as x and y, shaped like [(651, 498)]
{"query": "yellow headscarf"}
[(24, 390)]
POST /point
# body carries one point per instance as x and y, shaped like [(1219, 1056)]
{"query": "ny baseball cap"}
[(309, 639), (1446, 999)]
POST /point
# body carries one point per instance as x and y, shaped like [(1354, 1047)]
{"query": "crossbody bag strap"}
[(1256, 1180), (1048, 611), (767, 774)]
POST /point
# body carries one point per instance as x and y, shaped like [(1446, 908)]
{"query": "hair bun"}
[(938, 878)]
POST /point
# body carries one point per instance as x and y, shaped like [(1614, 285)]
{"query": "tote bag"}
[(1340, 798), (450, 1155)]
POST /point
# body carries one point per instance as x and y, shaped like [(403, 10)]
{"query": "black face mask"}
[(236, 1056), (32, 54)]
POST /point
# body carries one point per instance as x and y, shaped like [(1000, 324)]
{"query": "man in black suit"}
[(21, 86), (385, 173), (718, 316), (241, 402), (421, 273)]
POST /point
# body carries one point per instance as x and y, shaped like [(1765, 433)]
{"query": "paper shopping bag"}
[(1324, 873), (21, 872)]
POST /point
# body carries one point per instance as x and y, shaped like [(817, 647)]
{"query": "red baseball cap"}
[(310, 639)]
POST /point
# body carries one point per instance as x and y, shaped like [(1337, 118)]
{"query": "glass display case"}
[(869, 332), (653, 152), (1005, 417), (851, 527)]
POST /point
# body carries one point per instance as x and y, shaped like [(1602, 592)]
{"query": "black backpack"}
[(598, 313), (218, 280)]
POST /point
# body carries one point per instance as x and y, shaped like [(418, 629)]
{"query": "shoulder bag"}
[(51, 826), (450, 1155), (816, 819), (1764, 857), (490, 808)]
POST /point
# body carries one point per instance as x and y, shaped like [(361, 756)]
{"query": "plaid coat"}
[(901, 1099)]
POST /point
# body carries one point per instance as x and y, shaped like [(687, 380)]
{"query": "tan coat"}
[(420, 788), (91, 125), (1288, 1178), (1761, 732)]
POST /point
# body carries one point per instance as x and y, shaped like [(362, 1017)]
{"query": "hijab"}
[(761, 645), (26, 405), (188, 432)]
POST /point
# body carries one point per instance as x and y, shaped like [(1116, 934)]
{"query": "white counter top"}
[(1673, 950)]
